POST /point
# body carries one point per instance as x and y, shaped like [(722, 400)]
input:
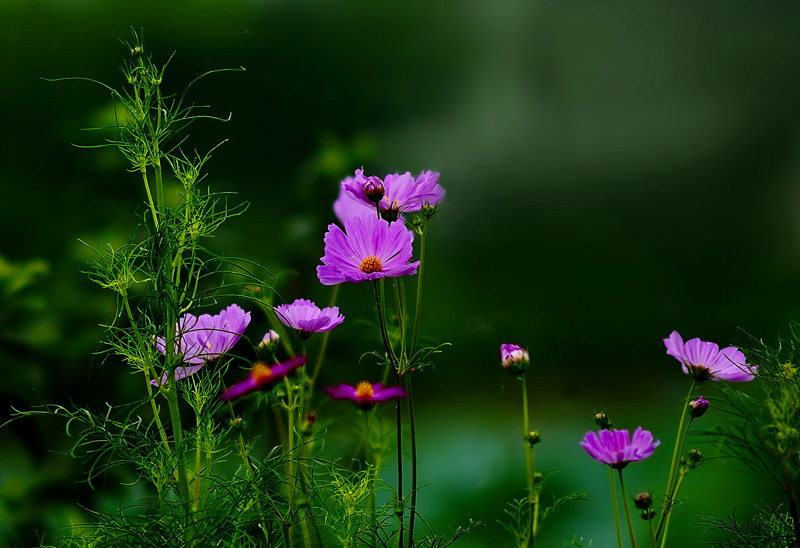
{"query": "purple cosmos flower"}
[(698, 407), (514, 358), (616, 449), (269, 340), (307, 318), (704, 360), (365, 395), (371, 248), (204, 339), (400, 192), (261, 377)]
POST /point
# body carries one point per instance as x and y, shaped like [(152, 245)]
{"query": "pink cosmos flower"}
[(704, 360), (399, 192), (616, 449), (365, 394), (204, 339), (307, 318), (262, 377), (346, 205), (368, 249)]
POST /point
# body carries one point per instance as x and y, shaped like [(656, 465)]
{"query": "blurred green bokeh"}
[(615, 170)]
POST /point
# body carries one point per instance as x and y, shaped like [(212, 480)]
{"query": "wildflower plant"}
[(189, 322)]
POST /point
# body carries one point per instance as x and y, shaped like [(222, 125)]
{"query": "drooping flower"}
[(514, 358), (368, 249), (307, 318), (400, 192), (616, 449), (698, 407), (704, 360), (365, 394), (204, 339), (261, 377)]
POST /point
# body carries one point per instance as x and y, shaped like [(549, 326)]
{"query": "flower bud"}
[(533, 437), (429, 210), (693, 459), (269, 341), (514, 358), (643, 501), (374, 189), (601, 420), (698, 407), (308, 424), (648, 514)]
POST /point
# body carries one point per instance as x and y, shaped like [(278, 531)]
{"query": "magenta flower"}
[(514, 358), (365, 395), (698, 407), (262, 377), (616, 449), (204, 339), (704, 360), (399, 192), (307, 318), (370, 249), (346, 205)]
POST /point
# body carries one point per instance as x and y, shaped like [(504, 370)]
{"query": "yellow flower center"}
[(364, 390), (370, 264), (260, 372)]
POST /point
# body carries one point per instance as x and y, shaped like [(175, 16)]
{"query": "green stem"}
[(627, 508), (150, 202), (678, 483), (530, 461), (413, 510), (616, 506), (673, 467), (420, 271)]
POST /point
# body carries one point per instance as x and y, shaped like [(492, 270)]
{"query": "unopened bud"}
[(601, 420), (648, 514), (237, 423), (514, 358), (693, 459), (374, 189), (429, 210), (698, 407), (269, 341), (533, 437), (308, 424), (643, 501)]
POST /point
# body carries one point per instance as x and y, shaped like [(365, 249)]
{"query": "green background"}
[(614, 170)]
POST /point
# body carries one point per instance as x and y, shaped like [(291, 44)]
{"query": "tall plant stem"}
[(399, 414), (616, 506), (413, 510), (627, 509), (673, 467), (530, 463), (678, 482), (177, 434), (420, 272)]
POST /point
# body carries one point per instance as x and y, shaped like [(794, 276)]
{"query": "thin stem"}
[(627, 508), (150, 202), (681, 475), (795, 517), (530, 462), (616, 508), (673, 467), (413, 509), (420, 271)]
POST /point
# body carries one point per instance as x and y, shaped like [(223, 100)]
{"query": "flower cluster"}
[(394, 193)]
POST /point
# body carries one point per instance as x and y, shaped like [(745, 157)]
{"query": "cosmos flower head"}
[(399, 192), (616, 449), (514, 358), (704, 360), (262, 377), (204, 339), (698, 407), (365, 394), (307, 318), (346, 205), (368, 249)]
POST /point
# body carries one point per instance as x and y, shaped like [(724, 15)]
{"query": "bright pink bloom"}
[(616, 449), (400, 192), (704, 360), (204, 339), (370, 249), (307, 318), (262, 377), (365, 395)]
